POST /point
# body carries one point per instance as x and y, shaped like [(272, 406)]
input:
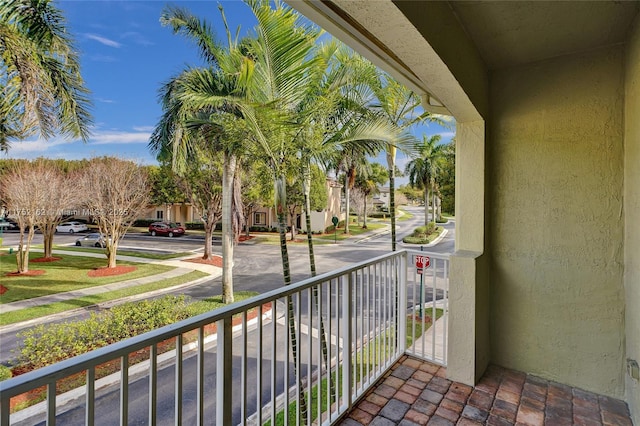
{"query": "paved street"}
[(257, 267)]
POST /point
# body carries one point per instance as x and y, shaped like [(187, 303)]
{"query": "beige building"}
[(173, 212), (261, 217), (266, 216), (546, 274)]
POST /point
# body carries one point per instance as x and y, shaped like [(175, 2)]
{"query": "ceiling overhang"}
[(382, 34)]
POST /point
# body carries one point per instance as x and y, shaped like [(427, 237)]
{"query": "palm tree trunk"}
[(208, 236), (281, 204), (433, 203), (426, 206), (228, 171), (391, 161), (306, 186), (347, 195)]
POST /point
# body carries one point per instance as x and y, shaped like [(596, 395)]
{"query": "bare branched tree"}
[(25, 192), (115, 193), (61, 201)]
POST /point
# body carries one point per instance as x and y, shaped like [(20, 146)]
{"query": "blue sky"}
[(126, 55)]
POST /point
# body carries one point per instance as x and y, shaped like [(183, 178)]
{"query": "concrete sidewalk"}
[(181, 268)]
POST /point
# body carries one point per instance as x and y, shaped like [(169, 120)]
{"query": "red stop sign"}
[(422, 261)]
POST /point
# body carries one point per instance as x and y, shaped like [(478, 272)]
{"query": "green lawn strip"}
[(405, 216), (134, 253), (54, 308), (354, 231), (428, 239), (369, 354), (67, 274)]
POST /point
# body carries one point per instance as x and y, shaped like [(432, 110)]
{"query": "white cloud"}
[(143, 128), (102, 40), (31, 147), (106, 101), (115, 137)]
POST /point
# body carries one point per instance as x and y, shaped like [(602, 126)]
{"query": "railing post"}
[(402, 305), (224, 382), (347, 333)]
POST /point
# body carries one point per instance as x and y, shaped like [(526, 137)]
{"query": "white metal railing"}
[(314, 347)]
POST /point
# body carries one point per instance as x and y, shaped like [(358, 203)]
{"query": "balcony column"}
[(468, 346)]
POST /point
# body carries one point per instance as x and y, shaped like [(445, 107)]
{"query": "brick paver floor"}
[(418, 393)]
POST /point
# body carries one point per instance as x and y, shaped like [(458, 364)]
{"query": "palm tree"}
[(201, 112), (258, 81), (368, 183), (402, 107), (42, 89), (423, 169)]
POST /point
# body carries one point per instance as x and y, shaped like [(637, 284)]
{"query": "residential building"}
[(381, 200)]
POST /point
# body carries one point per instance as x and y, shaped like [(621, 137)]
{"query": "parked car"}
[(71, 227), (92, 240), (6, 225), (165, 228)]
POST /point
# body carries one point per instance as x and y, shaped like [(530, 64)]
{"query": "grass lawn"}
[(405, 214), (135, 253), (54, 308), (354, 231), (67, 274)]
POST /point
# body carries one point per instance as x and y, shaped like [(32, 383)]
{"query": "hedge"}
[(47, 344)]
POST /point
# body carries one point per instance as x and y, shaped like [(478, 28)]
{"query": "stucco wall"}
[(555, 159), (632, 215)]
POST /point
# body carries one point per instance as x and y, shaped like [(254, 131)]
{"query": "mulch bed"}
[(45, 259), (215, 261), (109, 272), (3, 289)]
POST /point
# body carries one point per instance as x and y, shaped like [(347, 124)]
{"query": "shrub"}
[(378, 215), (45, 345), (194, 225), (142, 223), (423, 234), (441, 219), (5, 372)]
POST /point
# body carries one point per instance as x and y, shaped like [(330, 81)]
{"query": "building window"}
[(159, 214), (259, 218)]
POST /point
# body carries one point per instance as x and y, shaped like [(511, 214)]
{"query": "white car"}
[(91, 240), (71, 227)]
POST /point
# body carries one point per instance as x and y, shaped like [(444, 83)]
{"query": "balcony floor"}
[(417, 393)]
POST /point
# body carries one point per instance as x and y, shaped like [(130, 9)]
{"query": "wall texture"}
[(632, 215), (555, 159)]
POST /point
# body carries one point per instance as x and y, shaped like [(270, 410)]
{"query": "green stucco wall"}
[(632, 215), (555, 160)]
